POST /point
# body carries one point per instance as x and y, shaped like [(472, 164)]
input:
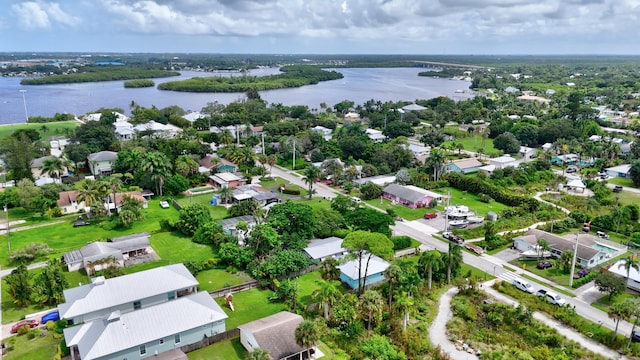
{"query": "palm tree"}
[(619, 311), (225, 138), (115, 184), (436, 161), (185, 165), (404, 303), (630, 262), (543, 245), (157, 166), (327, 295), (453, 259), (311, 173), (258, 354), (89, 192), (392, 274), (307, 335), (271, 160), (430, 260), (262, 159), (329, 269), (371, 304), (53, 166), (226, 194)]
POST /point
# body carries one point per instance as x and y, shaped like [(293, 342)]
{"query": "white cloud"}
[(33, 15)]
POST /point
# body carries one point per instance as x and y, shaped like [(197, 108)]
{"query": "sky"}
[(441, 27)]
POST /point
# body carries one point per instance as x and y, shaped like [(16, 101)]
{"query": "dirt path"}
[(438, 328)]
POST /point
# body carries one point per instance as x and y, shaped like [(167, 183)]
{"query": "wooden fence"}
[(229, 334), (234, 289), (176, 205)]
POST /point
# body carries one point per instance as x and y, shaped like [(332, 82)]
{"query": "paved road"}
[(321, 189), (495, 266)]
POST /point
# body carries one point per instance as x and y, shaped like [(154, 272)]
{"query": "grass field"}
[(475, 142), (46, 130), (621, 181), (224, 350), (217, 212), (250, 305), (38, 348), (217, 279)]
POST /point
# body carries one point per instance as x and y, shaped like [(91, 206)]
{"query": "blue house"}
[(620, 171), (463, 166), (349, 271)]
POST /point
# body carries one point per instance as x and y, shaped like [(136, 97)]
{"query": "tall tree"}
[(365, 245), (17, 153), (307, 335), (630, 262), (327, 295), (405, 302), (185, 165), (50, 284), (617, 312), (19, 286), (311, 173), (371, 306), (430, 260), (453, 259), (157, 166), (329, 269), (53, 167), (436, 161), (392, 274)]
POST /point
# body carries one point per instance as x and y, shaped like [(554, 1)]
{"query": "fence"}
[(176, 205), (230, 334), (233, 289)]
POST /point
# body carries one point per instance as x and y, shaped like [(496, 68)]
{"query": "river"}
[(358, 85)]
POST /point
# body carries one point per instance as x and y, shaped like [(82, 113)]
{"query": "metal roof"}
[(103, 156), (404, 192), (320, 248), (120, 332), (125, 289), (376, 266)]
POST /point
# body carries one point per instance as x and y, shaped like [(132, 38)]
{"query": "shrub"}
[(291, 191), (485, 198), (401, 242)]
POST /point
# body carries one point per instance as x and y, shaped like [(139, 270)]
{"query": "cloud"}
[(33, 15)]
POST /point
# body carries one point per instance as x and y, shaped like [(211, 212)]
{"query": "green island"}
[(100, 73), (292, 76), (139, 83)]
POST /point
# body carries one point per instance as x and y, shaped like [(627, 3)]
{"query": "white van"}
[(523, 285)]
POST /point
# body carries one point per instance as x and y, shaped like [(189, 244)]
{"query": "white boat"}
[(475, 219), (458, 223)]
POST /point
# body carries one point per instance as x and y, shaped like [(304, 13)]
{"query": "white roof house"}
[(375, 135), (148, 331), (165, 130), (633, 282), (320, 249), (193, 116), (381, 180), (503, 162), (103, 296)]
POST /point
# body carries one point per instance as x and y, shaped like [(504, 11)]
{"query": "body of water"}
[(358, 85)]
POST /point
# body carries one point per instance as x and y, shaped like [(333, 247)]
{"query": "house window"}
[(161, 341), (143, 350), (137, 305), (171, 295), (177, 339)]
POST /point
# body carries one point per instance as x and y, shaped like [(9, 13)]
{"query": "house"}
[(534, 98), (101, 163), (100, 255), (349, 272), (375, 135), (419, 151), (620, 171), (503, 162), (226, 180), (592, 251), (218, 165), (352, 116), (527, 153), (229, 226), (633, 281), (126, 293), (511, 90), (256, 193), (413, 107), (192, 116), (114, 201), (410, 196), (575, 185), (321, 130), (320, 249), (157, 129), (148, 332), (463, 166), (275, 333), (382, 180), (124, 130), (68, 202), (37, 164), (566, 159)]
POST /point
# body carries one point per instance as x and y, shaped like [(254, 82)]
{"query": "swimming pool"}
[(605, 248)]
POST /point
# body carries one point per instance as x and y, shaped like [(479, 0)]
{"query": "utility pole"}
[(293, 167), (263, 153), (573, 261), (6, 210)]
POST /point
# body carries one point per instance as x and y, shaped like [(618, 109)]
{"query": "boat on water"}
[(458, 223), (475, 219)]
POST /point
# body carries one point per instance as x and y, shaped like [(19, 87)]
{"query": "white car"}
[(523, 285), (164, 204), (356, 199), (555, 299)]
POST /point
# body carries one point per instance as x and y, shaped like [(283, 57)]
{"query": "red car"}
[(430, 215), (21, 323)]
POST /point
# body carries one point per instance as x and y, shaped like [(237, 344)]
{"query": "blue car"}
[(52, 316)]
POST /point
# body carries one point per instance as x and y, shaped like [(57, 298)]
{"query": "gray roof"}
[(39, 162), (130, 237), (403, 192), (585, 251), (276, 333), (320, 248), (376, 266), (125, 289), (101, 250), (232, 222), (104, 337), (103, 156)]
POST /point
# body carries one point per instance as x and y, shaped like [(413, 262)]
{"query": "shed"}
[(276, 334)]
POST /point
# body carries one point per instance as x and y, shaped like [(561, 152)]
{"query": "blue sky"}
[(323, 26)]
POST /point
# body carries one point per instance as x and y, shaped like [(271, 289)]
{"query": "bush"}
[(485, 198), (167, 225), (401, 242), (291, 191)]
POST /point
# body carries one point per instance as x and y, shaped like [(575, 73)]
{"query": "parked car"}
[(80, 222), (602, 234), (356, 199), (453, 237), (555, 299), (430, 215), (617, 188), (328, 182), (572, 169), (544, 264), (582, 273), (541, 292), (635, 337), (31, 323), (164, 204), (52, 316), (523, 285)]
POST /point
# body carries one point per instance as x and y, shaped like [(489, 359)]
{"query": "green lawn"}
[(621, 181), (217, 212), (603, 303), (459, 197), (250, 305), (400, 210), (224, 350), (52, 129), (38, 348), (475, 142), (217, 279)]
